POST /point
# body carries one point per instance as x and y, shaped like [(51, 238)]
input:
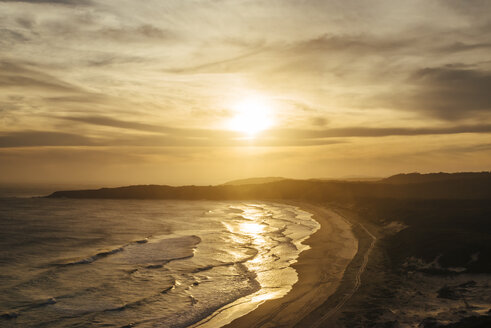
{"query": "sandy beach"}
[(320, 271)]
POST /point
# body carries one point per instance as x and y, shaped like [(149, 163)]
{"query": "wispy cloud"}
[(174, 137), (19, 76), (42, 138), (54, 2), (380, 132)]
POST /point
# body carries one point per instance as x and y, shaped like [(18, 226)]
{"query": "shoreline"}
[(328, 313), (320, 272)]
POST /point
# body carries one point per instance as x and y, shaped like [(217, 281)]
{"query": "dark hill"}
[(405, 178), (445, 186), (253, 181)]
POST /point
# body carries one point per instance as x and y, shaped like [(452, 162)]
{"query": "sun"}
[(251, 116)]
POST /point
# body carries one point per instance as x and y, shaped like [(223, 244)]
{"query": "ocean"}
[(144, 263)]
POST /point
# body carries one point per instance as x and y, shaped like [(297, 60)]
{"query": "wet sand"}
[(320, 271)]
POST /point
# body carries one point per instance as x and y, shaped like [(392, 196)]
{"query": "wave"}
[(93, 258), (17, 312), (147, 251), (222, 264), (131, 282), (234, 210)]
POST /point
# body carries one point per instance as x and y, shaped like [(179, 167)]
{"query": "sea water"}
[(144, 263)]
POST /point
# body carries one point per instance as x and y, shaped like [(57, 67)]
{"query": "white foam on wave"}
[(148, 263), (277, 232)]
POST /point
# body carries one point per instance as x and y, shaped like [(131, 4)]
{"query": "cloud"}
[(54, 2), (377, 132), (313, 52), (116, 123), (14, 75), (141, 33), (174, 137), (223, 65), (145, 127), (185, 137), (319, 121), (286, 134), (108, 59), (42, 138), (28, 138), (26, 22), (180, 141), (8, 36), (102, 74), (446, 93), (471, 8), (359, 44), (33, 83), (461, 46), (484, 147)]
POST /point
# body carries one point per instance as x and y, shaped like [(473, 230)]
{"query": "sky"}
[(179, 92)]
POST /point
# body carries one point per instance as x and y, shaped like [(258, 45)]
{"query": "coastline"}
[(320, 271)]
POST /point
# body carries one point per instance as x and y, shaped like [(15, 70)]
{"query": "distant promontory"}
[(467, 185)]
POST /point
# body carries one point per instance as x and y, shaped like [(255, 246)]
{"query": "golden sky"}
[(204, 91)]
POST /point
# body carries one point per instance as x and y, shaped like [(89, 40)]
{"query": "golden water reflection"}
[(251, 228), (258, 230)]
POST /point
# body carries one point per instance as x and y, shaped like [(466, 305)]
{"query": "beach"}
[(320, 272)]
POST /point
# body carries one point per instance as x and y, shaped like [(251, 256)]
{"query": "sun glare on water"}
[(251, 228), (251, 116)]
